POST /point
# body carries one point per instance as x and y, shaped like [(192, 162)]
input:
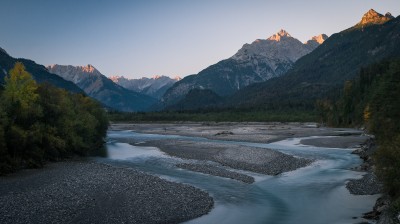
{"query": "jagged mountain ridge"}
[(98, 86), (374, 18), (256, 62), (316, 41), (322, 73), (154, 87), (38, 72)]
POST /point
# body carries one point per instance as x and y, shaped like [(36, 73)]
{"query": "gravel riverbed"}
[(89, 192), (367, 185), (216, 171), (258, 160)]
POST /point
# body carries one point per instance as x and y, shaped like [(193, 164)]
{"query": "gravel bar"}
[(264, 161), (336, 142), (89, 192), (367, 185), (258, 160), (216, 171)]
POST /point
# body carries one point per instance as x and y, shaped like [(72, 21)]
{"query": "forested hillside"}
[(320, 73), (39, 122), (38, 72), (372, 100)]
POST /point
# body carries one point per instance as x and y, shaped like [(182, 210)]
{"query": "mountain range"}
[(39, 72), (256, 62), (154, 87), (317, 75), (322, 73), (99, 87), (276, 73)]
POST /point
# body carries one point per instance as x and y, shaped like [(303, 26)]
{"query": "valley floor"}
[(90, 192), (218, 159), (258, 132)]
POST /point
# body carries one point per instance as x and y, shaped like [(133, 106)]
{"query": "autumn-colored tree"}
[(20, 100), (20, 94), (41, 122)]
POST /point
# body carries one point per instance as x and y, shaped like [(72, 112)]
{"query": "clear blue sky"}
[(163, 37)]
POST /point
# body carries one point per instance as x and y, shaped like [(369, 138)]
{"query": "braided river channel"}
[(313, 194)]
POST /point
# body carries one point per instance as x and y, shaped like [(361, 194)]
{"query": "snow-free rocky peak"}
[(280, 47), (278, 36), (88, 68), (154, 87), (320, 38), (315, 41), (96, 85), (373, 17), (72, 73), (259, 61)]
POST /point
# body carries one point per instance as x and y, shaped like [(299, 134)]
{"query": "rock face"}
[(316, 41), (101, 88), (256, 62), (278, 52), (372, 17), (154, 87)]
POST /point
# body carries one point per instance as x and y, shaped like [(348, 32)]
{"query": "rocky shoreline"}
[(89, 192), (369, 183)]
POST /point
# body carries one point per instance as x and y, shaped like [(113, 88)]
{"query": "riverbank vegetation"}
[(215, 116), (39, 122), (372, 100)]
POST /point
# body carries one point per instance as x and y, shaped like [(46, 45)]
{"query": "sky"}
[(164, 37)]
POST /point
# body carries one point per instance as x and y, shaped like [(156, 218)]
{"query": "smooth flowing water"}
[(314, 194)]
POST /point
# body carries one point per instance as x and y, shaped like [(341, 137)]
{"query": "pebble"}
[(367, 185), (88, 192)]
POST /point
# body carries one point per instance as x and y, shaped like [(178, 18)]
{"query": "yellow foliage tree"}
[(367, 114), (20, 93)]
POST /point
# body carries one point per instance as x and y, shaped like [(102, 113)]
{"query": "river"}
[(314, 194)]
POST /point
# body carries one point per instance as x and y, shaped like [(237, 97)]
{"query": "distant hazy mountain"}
[(154, 87), (323, 72), (39, 72), (256, 62), (103, 89)]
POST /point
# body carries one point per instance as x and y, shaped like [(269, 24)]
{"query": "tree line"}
[(39, 123), (214, 115), (372, 100)]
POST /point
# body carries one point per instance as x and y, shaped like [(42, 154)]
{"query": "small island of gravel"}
[(258, 160), (88, 192)]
